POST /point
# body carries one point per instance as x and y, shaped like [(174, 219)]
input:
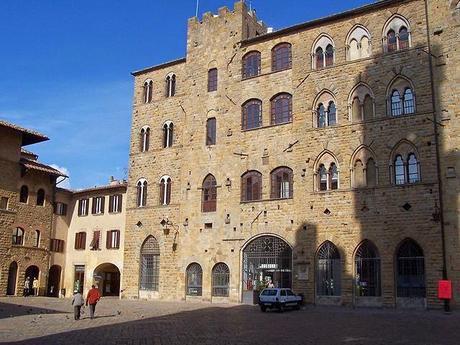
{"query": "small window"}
[(326, 110), (329, 55), (319, 55), (113, 239), (56, 246), (170, 85), (98, 205), (396, 107), (40, 197), (148, 90), (145, 138), (141, 193), (327, 174), (80, 240), (95, 243), (3, 203), (24, 194), (281, 183), (252, 114), (281, 57), (37, 238), (208, 226), (60, 209), (409, 104), (321, 112), (331, 114), (413, 169), (400, 176), (281, 109), (403, 38), (212, 80), (18, 237), (391, 41), (251, 64), (115, 203), (334, 177), (168, 133), (83, 207), (322, 174), (283, 293), (251, 186), (211, 131), (194, 280), (165, 190), (209, 194)]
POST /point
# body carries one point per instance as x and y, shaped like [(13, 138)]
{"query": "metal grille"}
[(410, 271), (367, 274), (194, 277), (267, 258), (220, 280), (328, 272), (150, 265)]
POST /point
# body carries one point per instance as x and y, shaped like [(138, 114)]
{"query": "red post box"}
[(445, 289)]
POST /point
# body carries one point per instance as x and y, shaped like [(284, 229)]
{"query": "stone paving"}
[(40, 320)]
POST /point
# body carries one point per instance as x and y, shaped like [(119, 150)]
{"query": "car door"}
[(291, 297), (283, 296)]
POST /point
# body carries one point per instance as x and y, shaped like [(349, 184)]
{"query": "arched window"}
[(170, 85), (368, 108), (403, 38), (396, 34), (251, 186), (281, 183), (281, 109), (356, 110), (358, 177), (402, 97), (367, 270), (281, 57), (326, 173), (328, 271), (251, 64), (212, 79), (220, 280), (391, 41), (371, 173), (410, 272), (361, 103), (37, 238), (400, 175), (40, 197), (18, 237), (145, 138), (148, 90), (364, 172), (211, 131), (252, 114), (319, 54), (165, 190), (331, 114), (150, 265), (194, 279), (412, 169), (396, 107), (358, 43), (333, 176), (353, 50), (325, 110), (209, 194), (24, 194), (141, 193), (404, 164), (329, 55), (321, 113), (168, 131), (409, 105), (322, 175)]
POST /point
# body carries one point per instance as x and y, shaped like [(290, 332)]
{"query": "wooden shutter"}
[(93, 206), (117, 232), (83, 240), (108, 241), (120, 201), (111, 201), (79, 207), (102, 203)]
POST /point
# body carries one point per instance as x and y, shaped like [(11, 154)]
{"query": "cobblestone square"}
[(50, 321)]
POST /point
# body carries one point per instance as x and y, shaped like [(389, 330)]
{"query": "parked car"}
[(279, 298)]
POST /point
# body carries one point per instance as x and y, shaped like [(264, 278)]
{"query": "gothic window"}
[(323, 52), (18, 237), (333, 176), (281, 183), (252, 114), (396, 34), (150, 265), (319, 54), (251, 64), (209, 194), (148, 90), (361, 103), (194, 279), (321, 111), (400, 175), (368, 108), (281, 57), (412, 169), (326, 172), (396, 107), (322, 176), (358, 170), (401, 97), (371, 173), (212, 79), (24, 194), (251, 186), (329, 55), (211, 131), (168, 131), (165, 190), (328, 270), (356, 110), (281, 109), (41, 197), (220, 280), (170, 85), (410, 270), (145, 138), (367, 270), (403, 38), (405, 164), (325, 110), (141, 193), (364, 172), (331, 114), (358, 43), (409, 105), (391, 41)]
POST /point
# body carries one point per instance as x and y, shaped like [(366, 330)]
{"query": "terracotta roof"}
[(160, 66), (29, 136), (34, 165), (124, 184), (29, 154)]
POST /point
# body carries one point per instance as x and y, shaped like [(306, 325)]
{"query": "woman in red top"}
[(92, 298)]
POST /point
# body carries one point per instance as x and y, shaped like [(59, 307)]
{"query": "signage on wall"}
[(445, 289)]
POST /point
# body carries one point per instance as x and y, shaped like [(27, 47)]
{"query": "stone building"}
[(305, 156), (26, 211)]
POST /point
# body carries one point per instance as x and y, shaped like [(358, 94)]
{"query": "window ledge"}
[(265, 200), (268, 126), (264, 74)]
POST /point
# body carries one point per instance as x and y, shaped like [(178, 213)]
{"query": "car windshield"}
[(269, 292)]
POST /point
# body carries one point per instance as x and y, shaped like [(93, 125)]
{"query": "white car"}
[(279, 298)]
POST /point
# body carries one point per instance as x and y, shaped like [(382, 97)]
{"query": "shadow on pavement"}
[(13, 310)]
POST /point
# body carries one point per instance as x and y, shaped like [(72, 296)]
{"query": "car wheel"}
[(297, 306), (281, 308), (263, 308)]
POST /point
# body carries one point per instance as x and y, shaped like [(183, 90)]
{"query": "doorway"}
[(12, 279), (107, 278)]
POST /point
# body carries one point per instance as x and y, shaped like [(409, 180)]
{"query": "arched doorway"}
[(54, 279), (107, 278), (266, 260), (32, 272), (12, 277)]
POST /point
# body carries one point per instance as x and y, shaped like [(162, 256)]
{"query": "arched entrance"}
[(107, 278), (12, 277), (54, 279), (32, 272), (266, 260)]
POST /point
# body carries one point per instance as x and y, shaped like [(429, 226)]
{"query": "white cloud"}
[(64, 170)]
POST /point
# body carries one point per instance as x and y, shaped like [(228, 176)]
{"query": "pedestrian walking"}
[(27, 286), (77, 302), (92, 298), (35, 286)]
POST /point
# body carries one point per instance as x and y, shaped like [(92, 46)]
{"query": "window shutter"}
[(76, 240), (244, 188), (93, 206), (117, 232), (102, 204), (83, 240), (120, 201), (64, 209), (108, 240), (111, 201), (86, 206), (79, 207)]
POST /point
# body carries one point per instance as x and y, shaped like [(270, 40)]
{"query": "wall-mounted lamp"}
[(228, 182)]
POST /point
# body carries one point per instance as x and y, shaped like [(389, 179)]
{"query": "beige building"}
[(306, 156)]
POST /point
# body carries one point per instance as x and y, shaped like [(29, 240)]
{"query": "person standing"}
[(27, 286), (35, 286), (77, 302), (92, 298)]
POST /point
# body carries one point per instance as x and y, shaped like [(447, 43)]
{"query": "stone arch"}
[(358, 33), (325, 97), (367, 157), (107, 279), (359, 94)]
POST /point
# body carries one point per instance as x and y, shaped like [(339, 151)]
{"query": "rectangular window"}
[(98, 205), (80, 240), (3, 203), (60, 209), (115, 202), (211, 131), (96, 240), (83, 207), (113, 239), (212, 79), (56, 245)]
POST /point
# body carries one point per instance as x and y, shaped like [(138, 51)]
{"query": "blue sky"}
[(66, 66)]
